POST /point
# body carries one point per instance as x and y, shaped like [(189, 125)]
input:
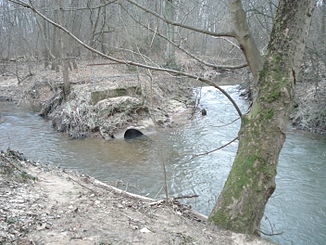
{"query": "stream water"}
[(297, 207)]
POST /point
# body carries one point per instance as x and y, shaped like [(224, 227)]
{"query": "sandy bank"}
[(41, 204)]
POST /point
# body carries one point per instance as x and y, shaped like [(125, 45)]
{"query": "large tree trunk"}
[(240, 206)]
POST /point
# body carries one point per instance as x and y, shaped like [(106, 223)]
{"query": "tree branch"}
[(184, 50), (230, 42), (217, 149), (88, 8), (244, 37), (227, 124), (214, 34), (270, 234), (68, 9), (127, 62)]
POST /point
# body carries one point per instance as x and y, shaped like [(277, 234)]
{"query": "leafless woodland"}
[(123, 28), (153, 33)]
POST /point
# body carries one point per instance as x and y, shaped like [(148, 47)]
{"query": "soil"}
[(104, 99), (41, 204)]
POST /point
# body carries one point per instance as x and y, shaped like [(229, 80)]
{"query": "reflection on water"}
[(297, 208)]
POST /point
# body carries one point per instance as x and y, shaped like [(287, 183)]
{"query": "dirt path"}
[(44, 205)]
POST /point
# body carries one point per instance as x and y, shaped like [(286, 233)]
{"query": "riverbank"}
[(309, 111), (103, 99), (42, 204)]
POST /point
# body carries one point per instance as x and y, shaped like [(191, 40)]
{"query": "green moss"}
[(273, 78), (277, 62), (262, 73), (268, 114), (273, 95), (220, 218), (269, 170), (257, 113), (251, 177), (273, 64), (12, 171), (26, 176), (244, 175), (274, 90)]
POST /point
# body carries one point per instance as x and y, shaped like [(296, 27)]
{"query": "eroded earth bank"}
[(41, 204)]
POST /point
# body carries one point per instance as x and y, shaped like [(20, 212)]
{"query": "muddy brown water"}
[(297, 208)]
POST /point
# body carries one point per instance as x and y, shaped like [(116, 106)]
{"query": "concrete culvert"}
[(132, 133)]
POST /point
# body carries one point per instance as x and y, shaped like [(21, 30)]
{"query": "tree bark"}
[(245, 38), (64, 61), (76, 27), (323, 21), (240, 206), (170, 49)]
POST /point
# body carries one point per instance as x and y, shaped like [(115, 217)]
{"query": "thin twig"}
[(214, 34), (270, 234), (165, 180), (229, 41), (185, 197), (208, 152), (186, 51), (227, 124), (171, 199), (78, 182), (158, 193)]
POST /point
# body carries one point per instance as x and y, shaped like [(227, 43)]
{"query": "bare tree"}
[(251, 182)]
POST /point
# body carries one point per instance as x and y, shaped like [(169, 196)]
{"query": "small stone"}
[(41, 226), (145, 230)]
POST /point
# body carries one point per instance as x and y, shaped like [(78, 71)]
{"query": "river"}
[(297, 207)]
